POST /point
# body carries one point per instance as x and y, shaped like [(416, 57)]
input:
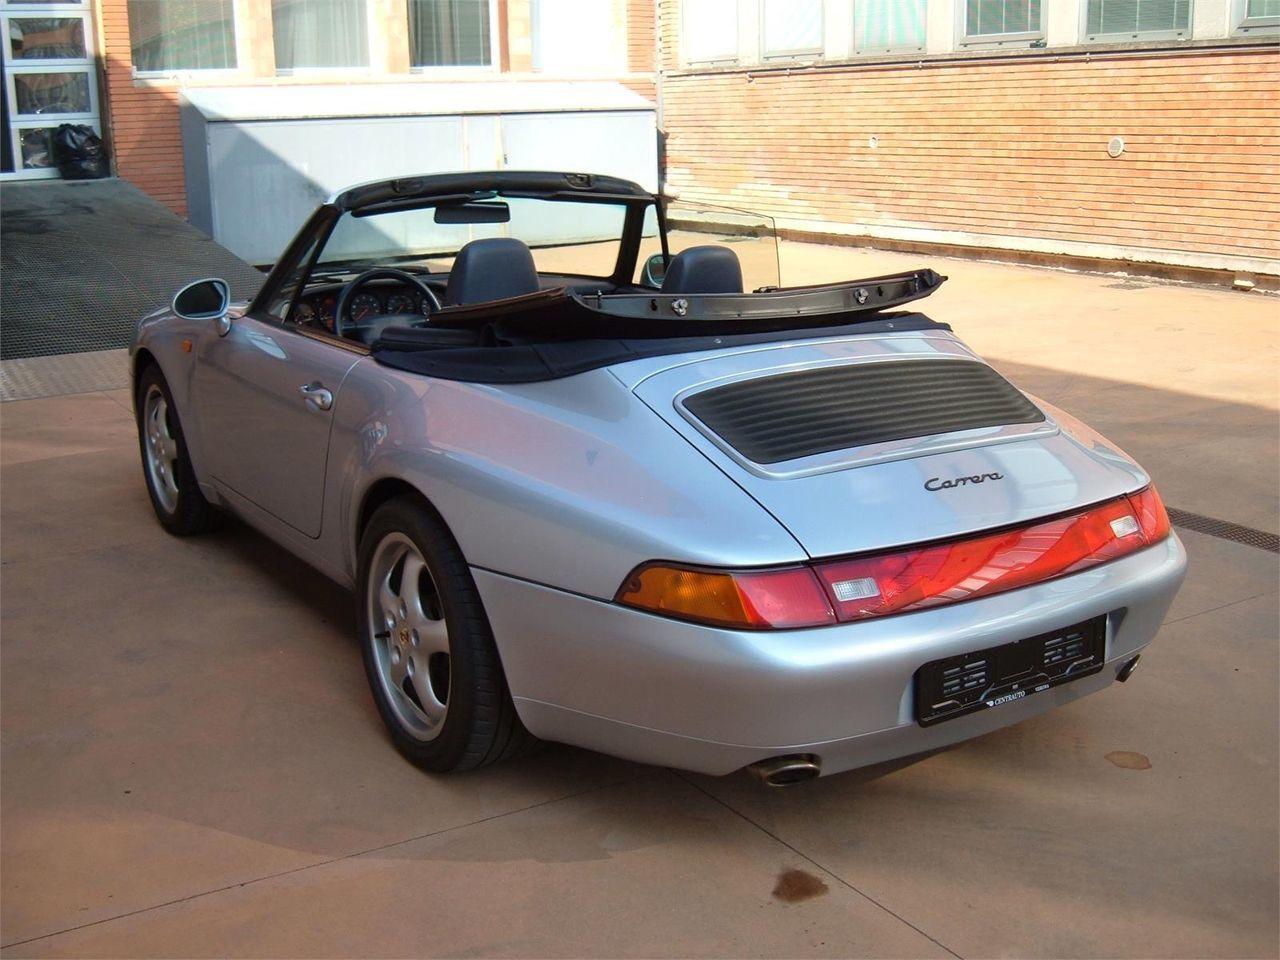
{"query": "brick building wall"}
[(1000, 151), (141, 118), (141, 113)]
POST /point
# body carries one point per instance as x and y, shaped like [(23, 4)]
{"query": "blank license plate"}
[(955, 686)]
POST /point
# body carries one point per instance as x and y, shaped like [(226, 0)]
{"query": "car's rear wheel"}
[(428, 648), (179, 505)]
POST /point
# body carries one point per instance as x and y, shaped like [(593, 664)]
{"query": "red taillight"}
[(964, 569), (911, 579), (1149, 509)]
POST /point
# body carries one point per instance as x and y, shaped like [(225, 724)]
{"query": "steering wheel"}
[(355, 331)]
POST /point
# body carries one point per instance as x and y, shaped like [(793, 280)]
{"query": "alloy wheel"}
[(161, 448), (410, 636)]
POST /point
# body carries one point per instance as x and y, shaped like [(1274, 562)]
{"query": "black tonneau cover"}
[(533, 362), (557, 333)]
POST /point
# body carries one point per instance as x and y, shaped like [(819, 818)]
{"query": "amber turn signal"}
[(747, 599)]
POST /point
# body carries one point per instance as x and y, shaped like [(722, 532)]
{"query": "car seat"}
[(705, 269), (493, 268)]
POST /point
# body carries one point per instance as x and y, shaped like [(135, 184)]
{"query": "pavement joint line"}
[(110, 395), (1221, 606), (827, 870), (331, 860), (59, 396)]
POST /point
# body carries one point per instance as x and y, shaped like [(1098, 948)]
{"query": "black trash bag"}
[(79, 153)]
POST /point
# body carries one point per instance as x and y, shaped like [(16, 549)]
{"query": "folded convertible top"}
[(559, 332), (456, 356)]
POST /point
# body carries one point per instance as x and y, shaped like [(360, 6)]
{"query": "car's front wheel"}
[(428, 648), (171, 481)]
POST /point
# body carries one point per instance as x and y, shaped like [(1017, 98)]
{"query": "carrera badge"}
[(935, 484)]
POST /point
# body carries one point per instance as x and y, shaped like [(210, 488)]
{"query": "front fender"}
[(172, 343)]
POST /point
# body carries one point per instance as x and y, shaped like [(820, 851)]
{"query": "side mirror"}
[(205, 300), (655, 270)]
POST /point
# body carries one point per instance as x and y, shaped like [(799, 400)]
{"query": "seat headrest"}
[(491, 269), (706, 269)]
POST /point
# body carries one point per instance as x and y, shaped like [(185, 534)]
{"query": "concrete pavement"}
[(192, 764)]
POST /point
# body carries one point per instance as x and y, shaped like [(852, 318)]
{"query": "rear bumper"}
[(601, 676)]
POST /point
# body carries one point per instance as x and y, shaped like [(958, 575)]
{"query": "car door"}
[(265, 397)]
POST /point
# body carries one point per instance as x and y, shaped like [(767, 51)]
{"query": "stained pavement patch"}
[(1128, 760), (795, 886)]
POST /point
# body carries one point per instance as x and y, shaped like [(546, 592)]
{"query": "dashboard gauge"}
[(363, 306), (324, 309), (304, 312), (400, 303), (424, 307)]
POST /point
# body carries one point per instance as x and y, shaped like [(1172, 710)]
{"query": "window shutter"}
[(791, 26), (1137, 16), (884, 25), (993, 17)]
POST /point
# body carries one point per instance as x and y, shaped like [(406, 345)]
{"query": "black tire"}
[(480, 724), (189, 513)]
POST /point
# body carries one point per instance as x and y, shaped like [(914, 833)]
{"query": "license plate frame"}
[(966, 683)]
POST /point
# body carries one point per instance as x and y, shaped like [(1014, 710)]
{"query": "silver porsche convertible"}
[(596, 477)]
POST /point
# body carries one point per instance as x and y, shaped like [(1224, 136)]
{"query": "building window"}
[(1133, 19), (709, 31), (320, 33), (790, 28), (888, 26), (576, 36), (1258, 16), (173, 35), (449, 33), (47, 38), (1001, 21)]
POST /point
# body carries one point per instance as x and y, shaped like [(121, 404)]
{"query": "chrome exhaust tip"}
[(786, 771), (1127, 670)]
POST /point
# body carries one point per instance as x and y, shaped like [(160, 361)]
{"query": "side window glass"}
[(282, 302), (751, 236), (650, 246)]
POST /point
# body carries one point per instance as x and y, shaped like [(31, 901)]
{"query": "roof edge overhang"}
[(542, 184), (251, 103)]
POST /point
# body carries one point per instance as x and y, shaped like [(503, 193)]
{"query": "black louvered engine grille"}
[(793, 415)]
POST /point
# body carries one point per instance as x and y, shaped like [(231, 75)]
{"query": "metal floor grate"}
[(1225, 530), (81, 262), (30, 378)]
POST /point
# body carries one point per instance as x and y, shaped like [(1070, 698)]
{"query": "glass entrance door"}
[(49, 79)]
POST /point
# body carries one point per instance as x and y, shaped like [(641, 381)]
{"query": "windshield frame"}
[(630, 207), (315, 234)]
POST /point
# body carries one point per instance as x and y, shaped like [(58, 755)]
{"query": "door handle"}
[(316, 395)]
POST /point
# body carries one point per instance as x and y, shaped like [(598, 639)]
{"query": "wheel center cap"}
[(404, 635)]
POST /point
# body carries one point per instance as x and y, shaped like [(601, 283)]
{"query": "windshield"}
[(566, 237)]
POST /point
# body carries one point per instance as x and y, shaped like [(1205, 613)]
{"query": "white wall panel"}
[(252, 183)]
